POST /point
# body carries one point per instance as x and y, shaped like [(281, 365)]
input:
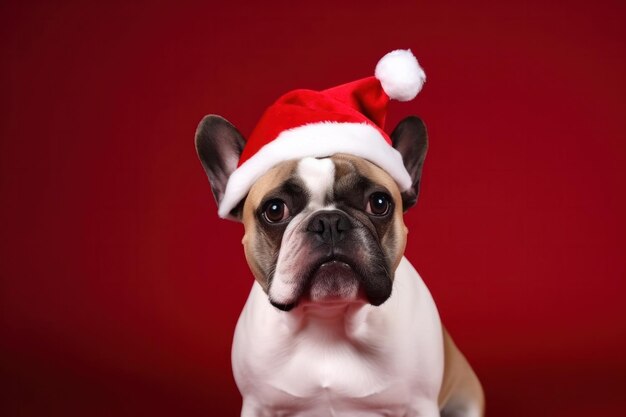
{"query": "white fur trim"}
[(316, 140), (400, 75)]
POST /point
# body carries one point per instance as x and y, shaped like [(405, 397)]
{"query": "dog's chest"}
[(319, 373), (324, 361)]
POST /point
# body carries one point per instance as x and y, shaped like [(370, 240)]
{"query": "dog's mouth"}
[(333, 281), (336, 279)]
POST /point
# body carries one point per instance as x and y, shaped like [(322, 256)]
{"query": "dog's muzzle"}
[(346, 262)]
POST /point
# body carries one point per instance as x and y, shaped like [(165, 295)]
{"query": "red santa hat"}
[(349, 118)]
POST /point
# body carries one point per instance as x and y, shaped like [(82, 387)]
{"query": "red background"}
[(120, 288)]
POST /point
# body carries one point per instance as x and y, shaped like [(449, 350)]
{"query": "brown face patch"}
[(355, 181), (261, 244)]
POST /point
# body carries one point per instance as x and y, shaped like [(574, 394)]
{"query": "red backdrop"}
[(120, 286)]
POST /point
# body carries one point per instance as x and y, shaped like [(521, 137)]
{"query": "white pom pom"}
[(400, 75)]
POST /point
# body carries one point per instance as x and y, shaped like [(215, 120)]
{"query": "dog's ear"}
[(411, 140), (219, 145)]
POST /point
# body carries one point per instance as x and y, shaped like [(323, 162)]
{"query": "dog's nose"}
[(329, 226)]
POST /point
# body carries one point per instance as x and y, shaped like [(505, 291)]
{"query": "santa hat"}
[(349, 118)]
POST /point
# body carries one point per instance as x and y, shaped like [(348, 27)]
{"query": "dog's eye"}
[(378, 204), (275, 211)]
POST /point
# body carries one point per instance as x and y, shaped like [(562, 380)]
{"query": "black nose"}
[(329, 226)]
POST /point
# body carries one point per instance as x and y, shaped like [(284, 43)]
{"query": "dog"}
[(338, 322)]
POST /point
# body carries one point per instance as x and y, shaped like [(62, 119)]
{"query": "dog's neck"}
[(328, 321)]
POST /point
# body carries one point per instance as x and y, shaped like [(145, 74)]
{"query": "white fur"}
[(318, 176), (400, 75), (285, 284), (315, 140), (343, 360)]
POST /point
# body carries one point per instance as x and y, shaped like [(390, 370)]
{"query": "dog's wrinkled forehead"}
[(317, 182)]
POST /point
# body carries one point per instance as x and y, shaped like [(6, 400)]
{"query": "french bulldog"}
[(338, 322)]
